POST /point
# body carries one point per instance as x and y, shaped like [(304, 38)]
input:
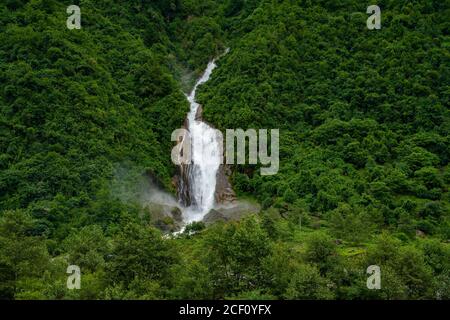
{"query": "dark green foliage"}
[(236, 256), (306, 283), (23, 257), (139, 254), (364, 148)]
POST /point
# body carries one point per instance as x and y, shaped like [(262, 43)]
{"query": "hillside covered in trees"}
[(364, 148)]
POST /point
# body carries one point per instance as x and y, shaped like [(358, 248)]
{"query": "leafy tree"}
[(321, 250), (87, 248), (23, 257), (306, 283), (140, 254), (235, 255)]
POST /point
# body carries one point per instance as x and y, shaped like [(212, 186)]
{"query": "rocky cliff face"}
[(224, 191), (181, 180)]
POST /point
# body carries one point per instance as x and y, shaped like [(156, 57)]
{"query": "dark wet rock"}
[(181, 180), (176, 214), (198, 114)]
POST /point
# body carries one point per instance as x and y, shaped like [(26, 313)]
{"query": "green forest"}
[(364, 124)]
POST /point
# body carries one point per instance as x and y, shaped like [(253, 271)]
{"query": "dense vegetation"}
[(364, 133)]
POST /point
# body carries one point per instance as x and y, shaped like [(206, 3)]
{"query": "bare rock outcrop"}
[(224, 192), (231, 212), (198, 114)]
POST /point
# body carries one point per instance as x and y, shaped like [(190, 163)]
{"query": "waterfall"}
[(205, 155)]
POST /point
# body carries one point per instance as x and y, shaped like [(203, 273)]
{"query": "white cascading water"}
[(206, 158)]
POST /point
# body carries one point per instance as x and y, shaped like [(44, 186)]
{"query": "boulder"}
[(420, 233), (224, 192), (165, 217), (231, 212)]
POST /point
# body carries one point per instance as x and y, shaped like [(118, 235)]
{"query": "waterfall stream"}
[(206, 158)]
